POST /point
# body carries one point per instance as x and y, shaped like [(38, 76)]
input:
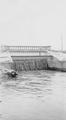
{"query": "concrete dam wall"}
[(29, 63)]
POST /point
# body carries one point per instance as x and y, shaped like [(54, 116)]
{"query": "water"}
[(36, 95)]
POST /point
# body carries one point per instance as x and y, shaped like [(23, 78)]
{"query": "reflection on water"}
[(36, 95)]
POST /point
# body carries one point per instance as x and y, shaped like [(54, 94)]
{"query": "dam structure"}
[(27, 58)]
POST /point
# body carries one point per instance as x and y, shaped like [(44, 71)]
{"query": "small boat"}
[(5, 63)]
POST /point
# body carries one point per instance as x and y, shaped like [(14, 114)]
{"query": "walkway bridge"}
[(28, 50)]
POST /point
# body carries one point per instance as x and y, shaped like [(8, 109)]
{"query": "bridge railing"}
[(28, 48)]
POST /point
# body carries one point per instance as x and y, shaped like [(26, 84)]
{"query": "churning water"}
[(36, 95)]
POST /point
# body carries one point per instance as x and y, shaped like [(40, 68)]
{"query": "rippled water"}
[(36, 95)]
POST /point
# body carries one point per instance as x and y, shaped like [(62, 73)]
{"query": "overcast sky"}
[(33, 22)]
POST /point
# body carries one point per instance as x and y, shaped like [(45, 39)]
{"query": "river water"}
[(36, 95)]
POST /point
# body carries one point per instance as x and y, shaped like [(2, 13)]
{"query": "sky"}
[(33, 22)]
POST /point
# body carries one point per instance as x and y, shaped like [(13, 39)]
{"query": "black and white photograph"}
[(32, 59)]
